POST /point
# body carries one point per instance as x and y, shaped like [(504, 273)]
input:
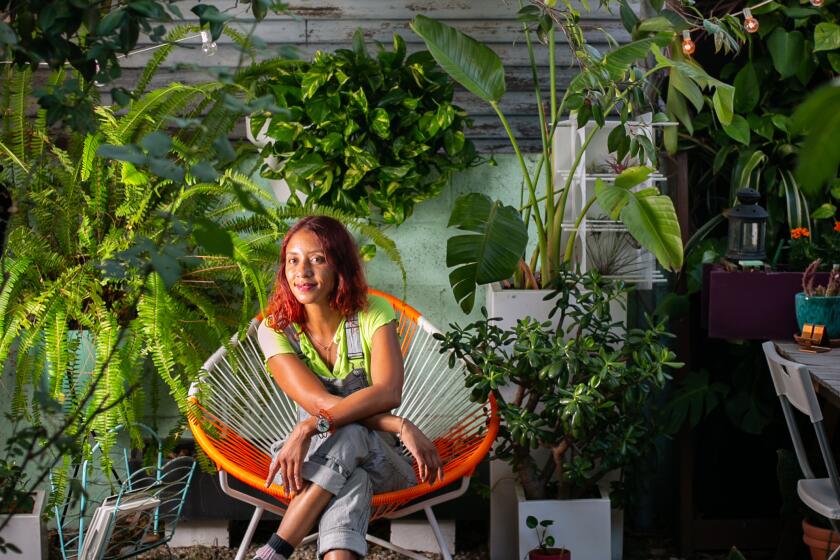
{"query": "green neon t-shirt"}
[(378, 313)]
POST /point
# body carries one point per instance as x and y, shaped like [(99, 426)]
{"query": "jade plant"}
[(582, 391), (372, 135)]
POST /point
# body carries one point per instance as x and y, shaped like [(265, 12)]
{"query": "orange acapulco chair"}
[(238, 412)]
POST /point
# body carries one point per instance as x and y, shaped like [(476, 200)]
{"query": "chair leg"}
[(249, 534), (444, 548)]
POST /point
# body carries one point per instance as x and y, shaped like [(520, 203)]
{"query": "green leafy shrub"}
[(360, 132), (583, 392)]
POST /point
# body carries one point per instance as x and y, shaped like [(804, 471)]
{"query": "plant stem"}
[(570, 245), (568, 186), (546, 157), (531, 192)]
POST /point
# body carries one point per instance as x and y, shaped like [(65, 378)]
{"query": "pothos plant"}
[(369, 135), (583, 391), (613, 84)]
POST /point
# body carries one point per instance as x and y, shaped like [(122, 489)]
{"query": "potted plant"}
[(580, 407), (820, 305), (545, 548), (494, 244), (370, 135)]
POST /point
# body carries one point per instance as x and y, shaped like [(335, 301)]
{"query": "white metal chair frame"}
[(795, 389)]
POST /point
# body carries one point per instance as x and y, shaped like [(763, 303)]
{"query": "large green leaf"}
[(787, 50), (723, 101), (688, 88), (619, 60), (490, 252), (746, 89), (819, 118), (826, 37), (649, 216), (738, 129), (470, 63)]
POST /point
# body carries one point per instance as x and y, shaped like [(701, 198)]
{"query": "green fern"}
[(155, 321), (160, 55)]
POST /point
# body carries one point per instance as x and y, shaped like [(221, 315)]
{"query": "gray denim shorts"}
[(352, 464)]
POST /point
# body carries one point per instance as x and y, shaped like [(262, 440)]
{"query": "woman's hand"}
[(290, 458), (424, 452)]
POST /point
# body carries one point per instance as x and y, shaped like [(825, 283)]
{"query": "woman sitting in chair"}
[(335, 352)]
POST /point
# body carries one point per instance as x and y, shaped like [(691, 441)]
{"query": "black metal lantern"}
[(747, 228)]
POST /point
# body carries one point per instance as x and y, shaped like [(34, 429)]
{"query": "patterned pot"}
[(817, 310)]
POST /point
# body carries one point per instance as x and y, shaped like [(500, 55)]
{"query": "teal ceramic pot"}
[(817, 310)]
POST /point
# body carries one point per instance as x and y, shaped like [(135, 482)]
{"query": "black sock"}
[(280, 545)]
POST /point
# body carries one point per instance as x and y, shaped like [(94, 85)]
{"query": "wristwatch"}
[(324, 423)]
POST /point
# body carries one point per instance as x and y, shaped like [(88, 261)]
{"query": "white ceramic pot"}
[(26, 532), (279, 187)]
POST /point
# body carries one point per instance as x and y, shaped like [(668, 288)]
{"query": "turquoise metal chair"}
[(124, 508)]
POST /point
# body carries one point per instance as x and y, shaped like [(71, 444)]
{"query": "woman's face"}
[(311, 278)]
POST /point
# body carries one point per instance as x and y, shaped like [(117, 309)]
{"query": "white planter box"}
[(590, 529), (26, 531), (512, 305)]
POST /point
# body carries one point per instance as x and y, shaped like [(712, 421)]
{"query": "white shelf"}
[(601, 243)]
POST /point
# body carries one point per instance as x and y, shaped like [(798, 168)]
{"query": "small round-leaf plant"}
[(541, 527)]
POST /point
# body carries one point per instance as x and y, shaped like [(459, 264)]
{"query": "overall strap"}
[(354, 338), (292, 336)]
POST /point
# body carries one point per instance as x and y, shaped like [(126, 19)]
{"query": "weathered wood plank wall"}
[(329, 25)]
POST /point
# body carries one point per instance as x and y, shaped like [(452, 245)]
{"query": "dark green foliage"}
[(364, 134), (90, 35), (796, 50), (585, 391)]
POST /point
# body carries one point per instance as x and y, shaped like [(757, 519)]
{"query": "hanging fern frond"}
[(91, 144), (13, 270), (160, 55), (21, 88), (155, 322), (55, 339)]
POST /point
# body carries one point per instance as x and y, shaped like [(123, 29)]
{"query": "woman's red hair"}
[(350, 294)]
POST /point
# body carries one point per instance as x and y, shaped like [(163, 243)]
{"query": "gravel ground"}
[(303, 553)]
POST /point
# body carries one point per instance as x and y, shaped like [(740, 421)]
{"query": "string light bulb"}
[(208, 45), (688, 45), (750, 23), (817, 3)]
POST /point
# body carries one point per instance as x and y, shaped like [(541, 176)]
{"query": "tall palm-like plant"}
[(611, 83)]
